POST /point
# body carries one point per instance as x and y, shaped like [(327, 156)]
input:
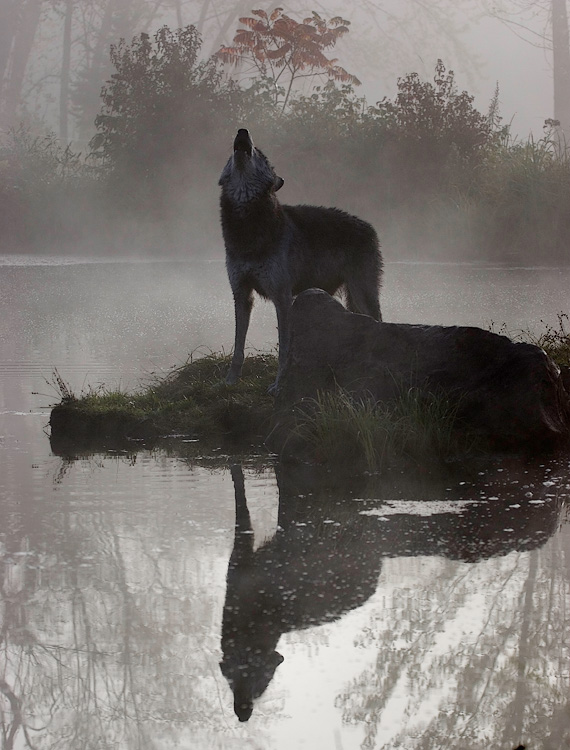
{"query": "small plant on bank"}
[(556, 341)]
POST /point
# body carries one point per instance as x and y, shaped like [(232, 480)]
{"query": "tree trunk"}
[(561, 64), (238, 10), (65, 71), (29, 18), (8, 18), (202, 17), (178, 9), (94, 74)]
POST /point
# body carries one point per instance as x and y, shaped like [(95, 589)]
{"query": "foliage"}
[(161, 102), (431, 171), (433, 137), (329, 111), (281, 49), (40, 159), (43, 187), (522, 194), (555, 340), (435, 116)]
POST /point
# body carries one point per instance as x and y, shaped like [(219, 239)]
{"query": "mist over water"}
[(115, 323)]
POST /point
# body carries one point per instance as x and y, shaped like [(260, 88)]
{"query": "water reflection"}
[(326, 557), (115, 597)]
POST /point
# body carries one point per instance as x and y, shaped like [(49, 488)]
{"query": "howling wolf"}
[(279, 251)]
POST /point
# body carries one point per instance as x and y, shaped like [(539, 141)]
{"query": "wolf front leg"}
[(243, 302), (283, 308)]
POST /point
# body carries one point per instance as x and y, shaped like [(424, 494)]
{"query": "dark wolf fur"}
[(279, 251)]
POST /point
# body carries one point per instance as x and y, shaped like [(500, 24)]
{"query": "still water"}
[(405, 611)]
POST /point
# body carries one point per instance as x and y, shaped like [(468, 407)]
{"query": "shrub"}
[(44, 189), (162, 110), (522, 192), (432, 135)]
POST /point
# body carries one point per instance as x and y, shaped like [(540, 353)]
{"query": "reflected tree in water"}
[(100, 639), (493, 680)]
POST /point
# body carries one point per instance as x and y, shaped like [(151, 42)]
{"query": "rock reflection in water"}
[(326, 557)]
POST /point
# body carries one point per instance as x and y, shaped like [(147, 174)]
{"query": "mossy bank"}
[(191, 402)]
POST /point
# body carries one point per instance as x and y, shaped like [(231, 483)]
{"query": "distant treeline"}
[(436, 177)]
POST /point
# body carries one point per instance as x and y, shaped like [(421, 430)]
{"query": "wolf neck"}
[(251, 228)]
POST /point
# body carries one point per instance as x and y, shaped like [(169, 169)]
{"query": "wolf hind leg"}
[(362, 296)]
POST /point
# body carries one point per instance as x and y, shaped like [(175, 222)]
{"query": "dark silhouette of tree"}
[(162, 109), (102, 25)]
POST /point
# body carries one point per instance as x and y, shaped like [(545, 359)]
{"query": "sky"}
[(484, 51), (523, 72)]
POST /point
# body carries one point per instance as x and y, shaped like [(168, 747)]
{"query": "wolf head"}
[(248, 674), (248, 175)]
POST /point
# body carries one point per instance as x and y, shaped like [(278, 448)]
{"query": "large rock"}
[(510, 394)]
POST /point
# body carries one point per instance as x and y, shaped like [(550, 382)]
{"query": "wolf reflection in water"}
[(325, 559)]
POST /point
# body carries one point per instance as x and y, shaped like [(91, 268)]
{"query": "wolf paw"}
[(273, 388), (232, 378)]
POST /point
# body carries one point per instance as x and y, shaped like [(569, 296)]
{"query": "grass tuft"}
[(343, 430)]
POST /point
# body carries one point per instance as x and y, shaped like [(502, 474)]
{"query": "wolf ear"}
[(278, 183)]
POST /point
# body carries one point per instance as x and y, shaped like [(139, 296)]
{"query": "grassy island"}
[(193, 402)]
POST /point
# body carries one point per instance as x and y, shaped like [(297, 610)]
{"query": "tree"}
[(103, 23), (544, 23), (161, 110), (54, 54), (65, 71), (283, 50), (561, 63), (19, 21)]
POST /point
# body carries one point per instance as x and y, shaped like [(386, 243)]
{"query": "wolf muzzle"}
[(242, 142)]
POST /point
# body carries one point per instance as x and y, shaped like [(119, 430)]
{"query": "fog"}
[(164, 201), (387, 39), (482, 49)]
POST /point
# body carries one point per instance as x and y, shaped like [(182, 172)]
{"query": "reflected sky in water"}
[(407, 611)]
